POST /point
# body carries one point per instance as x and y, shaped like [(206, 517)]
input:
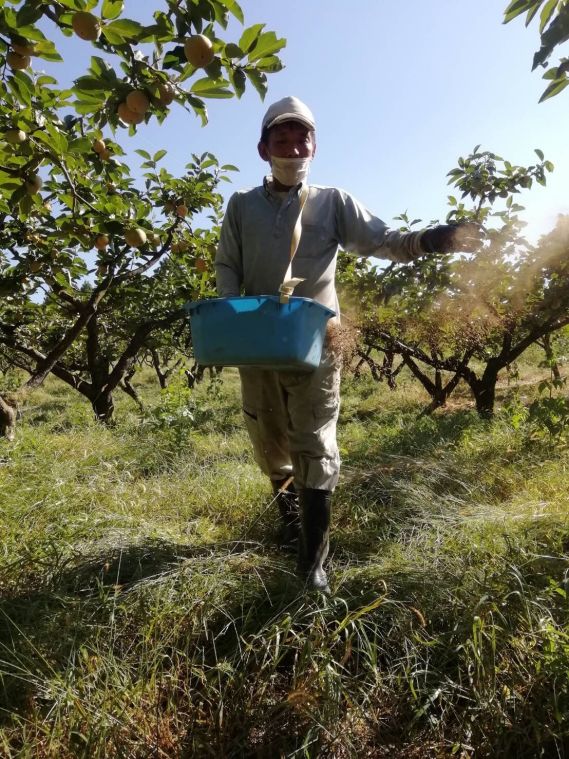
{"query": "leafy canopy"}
[(92, 258)]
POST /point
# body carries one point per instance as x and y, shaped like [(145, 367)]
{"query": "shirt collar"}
[(268, 187)]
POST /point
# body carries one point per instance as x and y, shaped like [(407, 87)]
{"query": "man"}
[(291, 416)]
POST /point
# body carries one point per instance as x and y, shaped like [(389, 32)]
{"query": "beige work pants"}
[(291, 419)]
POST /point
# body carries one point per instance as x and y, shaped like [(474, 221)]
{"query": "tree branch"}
[(136, 342), (76, 382)]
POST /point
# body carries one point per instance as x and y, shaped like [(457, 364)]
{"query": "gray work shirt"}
[(254, 245)]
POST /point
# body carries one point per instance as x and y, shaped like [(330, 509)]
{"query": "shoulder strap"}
[(289, 282)]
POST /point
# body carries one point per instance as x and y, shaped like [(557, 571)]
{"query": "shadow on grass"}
[(41, 629), (43, 632), (259, 718), (412, 436), (259, 668)]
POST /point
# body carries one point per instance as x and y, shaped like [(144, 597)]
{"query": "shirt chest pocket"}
[(313, 239)]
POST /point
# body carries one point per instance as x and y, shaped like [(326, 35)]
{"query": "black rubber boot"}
[(314, 538), (287, 501)]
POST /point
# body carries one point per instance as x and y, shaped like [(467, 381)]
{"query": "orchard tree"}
[(102, 355), (469, 317), (82, 244), (553, 30)]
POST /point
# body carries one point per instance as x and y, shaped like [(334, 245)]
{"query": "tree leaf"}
[(546, 13), (214, 69), (266, 45), (249, 37), (59, 140), (238, 79), (175, 58), (28, 14), (211, 88), (271, 63), (516, 8), (198, 107), (124, 29), (554, 89), (89, 84), (234, 8), (46, 49), (22, 86), (532, 11), (81, 145), (112, 8), (233, 51), (258, 80)]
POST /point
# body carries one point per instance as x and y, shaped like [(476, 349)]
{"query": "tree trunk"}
[(441, 394), (158, 369), (484, 388), (485, 397), (99, 366), (103, 407), (7, 419), (550, 356), (438, 392), (194, 375), (388, 370)]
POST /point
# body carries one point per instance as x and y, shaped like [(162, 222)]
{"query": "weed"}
[(145, 610)]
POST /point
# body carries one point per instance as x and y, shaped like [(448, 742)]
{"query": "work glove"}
[(449, 238)]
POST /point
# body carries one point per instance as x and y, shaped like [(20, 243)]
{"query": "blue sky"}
[(399, 91)]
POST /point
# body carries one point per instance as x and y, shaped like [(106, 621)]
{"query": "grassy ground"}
[(145, 610)]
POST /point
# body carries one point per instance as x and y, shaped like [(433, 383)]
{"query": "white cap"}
[(288, 109)]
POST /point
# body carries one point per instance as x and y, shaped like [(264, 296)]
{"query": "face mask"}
[(290, 171)]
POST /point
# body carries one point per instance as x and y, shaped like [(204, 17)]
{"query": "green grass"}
[(146, 611)]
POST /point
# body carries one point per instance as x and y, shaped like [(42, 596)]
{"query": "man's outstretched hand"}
[(449, 238)]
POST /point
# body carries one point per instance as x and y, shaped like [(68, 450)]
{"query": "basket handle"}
[(289, 282)]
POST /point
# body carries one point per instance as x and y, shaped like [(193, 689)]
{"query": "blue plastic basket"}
[(258, 330)]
